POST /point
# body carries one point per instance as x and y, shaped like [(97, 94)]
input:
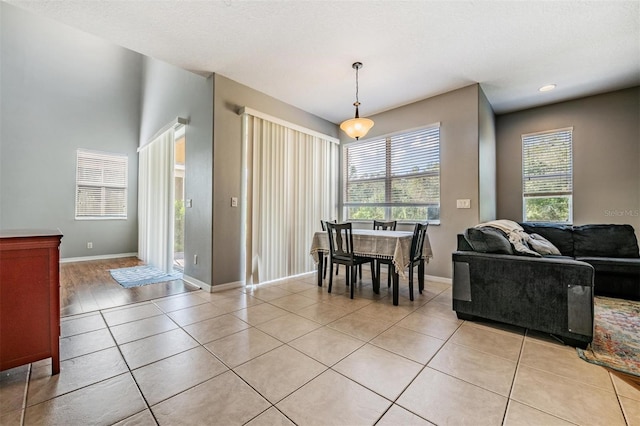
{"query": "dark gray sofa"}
[(612, 250), (551, 294)]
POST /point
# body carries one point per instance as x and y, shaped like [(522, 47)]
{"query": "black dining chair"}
[(417, 245), (341, 253), (389, 225), (324, 271)]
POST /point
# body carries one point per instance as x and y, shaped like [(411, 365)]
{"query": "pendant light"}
[(357, 127)]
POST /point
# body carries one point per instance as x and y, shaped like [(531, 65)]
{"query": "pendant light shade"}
[(357, 127)]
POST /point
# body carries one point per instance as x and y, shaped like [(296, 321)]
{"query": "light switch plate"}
[(234, 201), (463, 204), (188, 202)]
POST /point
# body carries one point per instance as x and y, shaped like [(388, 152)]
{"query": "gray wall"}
[(230, 96), (606, 156), (170, 92), (61, 90), (487, 159), (458, 113)]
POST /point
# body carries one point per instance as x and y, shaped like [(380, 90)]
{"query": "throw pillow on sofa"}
[(543, 246), (488, 240), (560, 235)]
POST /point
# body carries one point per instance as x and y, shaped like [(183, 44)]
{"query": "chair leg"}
[(421, 276), (330, 276), (375, 277), (396, 288), (324, 272), (378, 276), (411, 282), (389, 272), (360, 269), (351, 273)]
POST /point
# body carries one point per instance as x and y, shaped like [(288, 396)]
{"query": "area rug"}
[(616, 340), (136, 276)]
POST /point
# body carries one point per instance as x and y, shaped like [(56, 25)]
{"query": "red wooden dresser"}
[(29, 297)]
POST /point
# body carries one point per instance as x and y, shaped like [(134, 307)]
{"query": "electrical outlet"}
[(89, 245)]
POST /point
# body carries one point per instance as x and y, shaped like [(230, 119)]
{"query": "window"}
[(101, 185), (393, 178), (547, 176)]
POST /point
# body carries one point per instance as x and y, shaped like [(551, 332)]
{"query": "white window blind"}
[(393, 178), (101, 185), (547, 175)]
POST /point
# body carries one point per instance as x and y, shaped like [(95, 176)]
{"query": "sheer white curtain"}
[(155, 202), (291, 185)]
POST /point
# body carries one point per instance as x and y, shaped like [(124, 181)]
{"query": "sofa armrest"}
[(552, 295)]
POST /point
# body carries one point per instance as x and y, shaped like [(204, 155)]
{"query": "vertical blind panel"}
[(547, 166), (292, 189), (407, 165), (101, 184), (156, 212)]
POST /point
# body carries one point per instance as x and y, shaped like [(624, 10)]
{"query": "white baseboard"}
[(208, 287), (100, 257), (437, 279), (196, 282), (227, 286)]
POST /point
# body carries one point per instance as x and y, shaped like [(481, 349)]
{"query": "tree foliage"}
[(547, 209)]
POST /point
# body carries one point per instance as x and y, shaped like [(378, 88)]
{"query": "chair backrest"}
[(324, 228), (386, 226), (340, 239), (417, 242)]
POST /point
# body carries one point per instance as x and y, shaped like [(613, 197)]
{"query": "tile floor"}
[(290, 353)]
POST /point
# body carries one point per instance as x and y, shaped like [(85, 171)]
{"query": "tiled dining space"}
[(290, 353)]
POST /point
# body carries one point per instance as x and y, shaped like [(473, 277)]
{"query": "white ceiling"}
[(301, 51)]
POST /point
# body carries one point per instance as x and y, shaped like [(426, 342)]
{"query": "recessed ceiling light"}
[(547, 88)]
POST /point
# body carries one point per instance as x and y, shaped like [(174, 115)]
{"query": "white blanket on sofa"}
[(516, 235)]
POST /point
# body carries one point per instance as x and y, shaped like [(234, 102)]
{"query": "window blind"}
[(101, 185), (396, 177), (547, 164)]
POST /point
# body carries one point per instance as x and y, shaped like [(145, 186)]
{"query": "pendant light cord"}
[(357, 101)]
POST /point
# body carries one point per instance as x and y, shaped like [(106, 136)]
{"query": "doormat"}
[(616, 340), (137, 276)]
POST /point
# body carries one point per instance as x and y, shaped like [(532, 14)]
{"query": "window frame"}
[(387, 205), (566, 134), (98, 158)]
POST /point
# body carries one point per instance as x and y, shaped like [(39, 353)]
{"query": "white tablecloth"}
[(395, 245)]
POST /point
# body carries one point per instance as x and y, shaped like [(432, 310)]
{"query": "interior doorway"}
[(179, 200)]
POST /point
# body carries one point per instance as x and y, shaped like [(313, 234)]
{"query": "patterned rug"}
[(136, 276), (616, 341)]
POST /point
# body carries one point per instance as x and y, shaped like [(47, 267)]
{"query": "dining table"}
[(379, 244)]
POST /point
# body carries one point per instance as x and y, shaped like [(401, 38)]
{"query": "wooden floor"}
[(88, 286)]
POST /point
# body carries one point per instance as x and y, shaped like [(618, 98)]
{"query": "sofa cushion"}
[(543, 246), (605, 241), (488, 240), (615, 265), (560, 236)]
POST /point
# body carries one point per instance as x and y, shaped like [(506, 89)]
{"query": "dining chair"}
[(417, 245), (341, 253), (324, 271), (384, 226), (389, 225)]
